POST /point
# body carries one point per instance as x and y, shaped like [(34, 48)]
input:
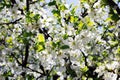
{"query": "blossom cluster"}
[(50, 40)]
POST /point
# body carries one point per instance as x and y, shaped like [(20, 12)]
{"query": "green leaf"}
[(40, 38), (77, 32), (27, 34), (64, 47), (30, 77), (62, 7), (84, 26), (39, 47), (9, 40), (58, 42), (69, 78), (85, 69), (52, 3), (80, 25), (72, 19), (89, 22), (104, 53), (36, 17), (76, 18), (7, 73), (56, 13), (104, 2), (74, 10), (28, 18), (65, 36), (11, 59), (71, 72), (53, 44), (115, 17), (118, 51), (113, 43)]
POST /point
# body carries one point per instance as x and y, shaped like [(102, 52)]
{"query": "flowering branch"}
[(91, 69), (24, 66)]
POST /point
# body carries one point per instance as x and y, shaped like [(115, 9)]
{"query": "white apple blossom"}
[(73, 46), (110, 76)]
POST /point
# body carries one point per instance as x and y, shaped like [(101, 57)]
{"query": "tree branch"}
[(27, 5), (113, 5), (84, 13), (26, 55), (12, 22)]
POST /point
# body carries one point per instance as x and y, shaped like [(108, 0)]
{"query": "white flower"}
[(4, 52), (100, 69), (110, 76), (97, 4), (21, 4), (113, 65), (86, 6), (99, 10)]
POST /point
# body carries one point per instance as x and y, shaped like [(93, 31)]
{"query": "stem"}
[(26, 55), (85, 57), (27, 5)]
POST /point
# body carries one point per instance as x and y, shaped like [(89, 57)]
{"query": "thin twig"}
[(85, 57), (34, 70), (16, 59)]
